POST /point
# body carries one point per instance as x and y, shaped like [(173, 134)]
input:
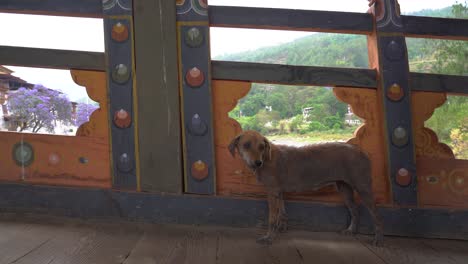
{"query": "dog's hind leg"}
[(368, 200), (347, 193)]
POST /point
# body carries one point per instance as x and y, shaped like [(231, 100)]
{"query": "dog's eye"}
[(261, 147), (247, 145)]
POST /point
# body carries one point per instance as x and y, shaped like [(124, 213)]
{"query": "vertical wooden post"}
[(195, 88), (118, 30), (388, 54), (158, 96)]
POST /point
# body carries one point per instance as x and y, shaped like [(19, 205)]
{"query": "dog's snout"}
[(258, 163)]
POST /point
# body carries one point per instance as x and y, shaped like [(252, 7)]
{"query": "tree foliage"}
[(83, 112), (39, 108)]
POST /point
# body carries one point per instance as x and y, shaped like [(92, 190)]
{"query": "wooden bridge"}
[(156, 150)]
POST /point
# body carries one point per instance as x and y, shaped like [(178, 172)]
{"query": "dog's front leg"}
[(282, 223), (274, 203)]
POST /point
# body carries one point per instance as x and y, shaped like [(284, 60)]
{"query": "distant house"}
[(306, 112), (8, 83), (351, 119)]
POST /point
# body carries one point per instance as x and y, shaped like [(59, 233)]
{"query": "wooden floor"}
[(44, 240)]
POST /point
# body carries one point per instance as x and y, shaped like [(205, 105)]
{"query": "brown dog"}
[(292, 169)]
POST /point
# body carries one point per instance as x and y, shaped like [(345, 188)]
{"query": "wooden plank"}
[(388, 55), (41, 58), (206, 210), (195, 96), (85, 243), (403, 251), (235, 241), (293, 75), (158, 101), (19, 240), (429, 82), (319, 247), (454, 249), (435, 27), (289, 19), (120, 63), (68, 170), (82, 8), (176, 244), (159, 244)]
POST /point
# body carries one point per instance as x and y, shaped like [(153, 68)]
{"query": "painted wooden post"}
[(388, 54), (195, 90), (158, 96), (118, 30)]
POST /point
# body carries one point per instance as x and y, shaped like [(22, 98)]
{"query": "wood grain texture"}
[(287, 19), (76, 241), (82, 8), (62, 59), (96, 88), (435, 27), (369, 135), (69, 171), (293, 75), (206, 210), (429, 82), (425, 140), (158, 99), (442, 182)]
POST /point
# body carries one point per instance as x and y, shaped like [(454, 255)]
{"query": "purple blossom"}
[(83, 112), (39, 108)]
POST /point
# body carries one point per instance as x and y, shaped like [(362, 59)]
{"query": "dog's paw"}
[(347, 232), (282, 226), (378, 241), (265, 240)]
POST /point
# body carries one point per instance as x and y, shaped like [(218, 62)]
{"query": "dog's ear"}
[(233, 145), (267, 149)]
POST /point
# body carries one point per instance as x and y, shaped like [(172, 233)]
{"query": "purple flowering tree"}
[(39, 108), (83, 112)]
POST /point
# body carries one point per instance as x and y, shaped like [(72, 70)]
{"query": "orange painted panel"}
[(68, 171), (442, 182)]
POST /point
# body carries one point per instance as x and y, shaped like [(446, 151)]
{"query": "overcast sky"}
[(87, 34)]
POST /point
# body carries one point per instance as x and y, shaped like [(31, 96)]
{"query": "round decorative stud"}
[(194, 77), (395, 92), (124, 163), (199, 170), (83, 160), (197, 126), (23, 154), (194, 37), (400, 137), (122, 119), (200, 7), (403, 177), (120, 74), (108, 4), (119, 32), (432, 179), (394, 51), (54, 159), (180, 2)]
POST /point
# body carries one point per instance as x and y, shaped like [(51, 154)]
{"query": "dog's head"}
[(254, 148)]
